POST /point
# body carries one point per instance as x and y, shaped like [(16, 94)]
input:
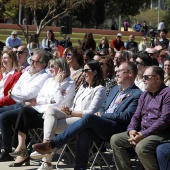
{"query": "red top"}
[(118, 45)]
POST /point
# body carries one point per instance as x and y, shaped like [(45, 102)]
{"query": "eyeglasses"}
[(69, 54), (125, 71), (86, 70), (20, 52), (34, 61), (137, 63), (147, 77)]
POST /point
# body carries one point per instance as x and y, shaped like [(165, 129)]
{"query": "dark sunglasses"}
[(69, 54), (137, 63), (151, 53), (86, 70), (147, 77), (20, 52)]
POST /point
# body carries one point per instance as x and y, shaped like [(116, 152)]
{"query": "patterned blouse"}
[(109, 84)]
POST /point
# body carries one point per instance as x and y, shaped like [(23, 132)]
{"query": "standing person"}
[(13, 40), (23, 93), (117, 44), (50, 43), (149, 125), (144, 29), (125, 25), (113, 117), (161, 26)]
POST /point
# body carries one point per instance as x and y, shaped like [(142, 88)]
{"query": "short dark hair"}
[(89, 53), (147, 60), (158, 71), (98, 78), (133, 67), (164, 31)]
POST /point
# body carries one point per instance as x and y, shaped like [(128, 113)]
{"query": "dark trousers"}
[(163, 156), (89, 128), (8, 116)]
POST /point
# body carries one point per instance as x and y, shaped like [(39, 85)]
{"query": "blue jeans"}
[(89, 128), (8, 116), (163, 156)]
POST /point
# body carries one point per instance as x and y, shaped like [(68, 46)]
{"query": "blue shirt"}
[(13, 42)]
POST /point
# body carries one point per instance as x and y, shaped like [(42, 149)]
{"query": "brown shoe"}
[(43, 148)]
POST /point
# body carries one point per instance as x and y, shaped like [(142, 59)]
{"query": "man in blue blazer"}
[(113, 117)]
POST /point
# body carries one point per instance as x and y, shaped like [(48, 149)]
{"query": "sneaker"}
[(36, 155), (43, 148), (44, 166)]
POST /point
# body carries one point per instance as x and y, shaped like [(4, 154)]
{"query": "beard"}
[(33, 70)]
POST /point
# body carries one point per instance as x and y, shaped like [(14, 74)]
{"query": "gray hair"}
[(123, 53), (44, 55), (62, 63)]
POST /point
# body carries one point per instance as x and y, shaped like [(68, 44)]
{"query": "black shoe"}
[(4, 156)]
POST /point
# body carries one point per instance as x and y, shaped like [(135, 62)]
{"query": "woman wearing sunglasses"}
[(57, 91), (88, 100), (107, 66), (74, 57)]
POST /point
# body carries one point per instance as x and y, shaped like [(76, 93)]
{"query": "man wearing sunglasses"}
[(13, 40), (149, 125), (23, 93), (22, 55)]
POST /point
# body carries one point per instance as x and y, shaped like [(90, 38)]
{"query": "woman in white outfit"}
[(57, 91), (88, 100)]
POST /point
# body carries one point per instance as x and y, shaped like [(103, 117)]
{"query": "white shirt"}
[(28, 86), (161, 26), (140, 84), (53, 90)]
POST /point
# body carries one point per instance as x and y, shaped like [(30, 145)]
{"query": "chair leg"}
[(101, 154)]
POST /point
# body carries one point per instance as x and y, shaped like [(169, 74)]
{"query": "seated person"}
[(107, 66), (74, 57), (10, 74), (62, 91), (25, 90), (88, 99), (149, 125), (142, 62), (163, 155), (113, 117)]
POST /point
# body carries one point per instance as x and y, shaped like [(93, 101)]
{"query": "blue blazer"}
[(125, 109)]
